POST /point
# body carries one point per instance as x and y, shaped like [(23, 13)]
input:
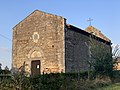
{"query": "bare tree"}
[(115, 55), (0, 66)]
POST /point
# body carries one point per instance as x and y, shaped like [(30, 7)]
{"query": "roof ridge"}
[(97, 32)]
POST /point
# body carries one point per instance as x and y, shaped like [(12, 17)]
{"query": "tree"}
[(0, 66), (6, 70), (101, 60), (116, 55)]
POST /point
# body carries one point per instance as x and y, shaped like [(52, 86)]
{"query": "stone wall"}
[(40, 36), (78, 49), (46, 37)]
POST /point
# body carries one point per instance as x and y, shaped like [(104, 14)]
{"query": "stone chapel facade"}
[(43, 42)]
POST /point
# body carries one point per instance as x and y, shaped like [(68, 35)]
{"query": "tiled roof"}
[(73, 28), (96, 32)]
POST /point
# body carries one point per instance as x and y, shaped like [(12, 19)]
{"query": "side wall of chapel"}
[(78, 49)]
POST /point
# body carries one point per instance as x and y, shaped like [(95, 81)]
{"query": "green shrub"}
[(52, 81)]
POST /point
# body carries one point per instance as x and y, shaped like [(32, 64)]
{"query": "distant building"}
[(117, 66), (43, 42)]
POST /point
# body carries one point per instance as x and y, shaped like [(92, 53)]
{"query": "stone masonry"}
[(46, 37), (77, 48), (40, 36)]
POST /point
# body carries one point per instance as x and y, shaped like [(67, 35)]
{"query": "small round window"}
[(35, 37)]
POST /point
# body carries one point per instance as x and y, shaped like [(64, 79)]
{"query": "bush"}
[(52, 81)]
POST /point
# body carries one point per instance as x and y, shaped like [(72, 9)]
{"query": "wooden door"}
[(35, 67)]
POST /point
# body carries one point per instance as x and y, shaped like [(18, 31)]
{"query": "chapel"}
[(45, 43)]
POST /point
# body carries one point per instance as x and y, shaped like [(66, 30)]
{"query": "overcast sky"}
[(105, 15)]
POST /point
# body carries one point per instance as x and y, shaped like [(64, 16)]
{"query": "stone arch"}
[(36, 53)]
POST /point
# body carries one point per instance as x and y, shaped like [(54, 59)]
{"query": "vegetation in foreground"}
[(101, 75), (58, 81), (115, 86)]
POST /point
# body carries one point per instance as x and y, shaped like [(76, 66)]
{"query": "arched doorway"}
[(35, 67)]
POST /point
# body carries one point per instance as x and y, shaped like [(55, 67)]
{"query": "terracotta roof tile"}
[(96, 32)]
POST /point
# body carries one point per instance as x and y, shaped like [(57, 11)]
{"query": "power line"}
[(5, 37)]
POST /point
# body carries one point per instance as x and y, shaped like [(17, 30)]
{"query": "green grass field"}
[(111, 87)]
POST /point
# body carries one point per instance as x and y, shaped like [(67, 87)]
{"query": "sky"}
[(105, 15)]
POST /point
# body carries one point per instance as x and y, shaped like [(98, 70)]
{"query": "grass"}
[(115, 86)]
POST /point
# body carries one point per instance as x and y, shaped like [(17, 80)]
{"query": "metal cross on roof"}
[(90, 20)]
